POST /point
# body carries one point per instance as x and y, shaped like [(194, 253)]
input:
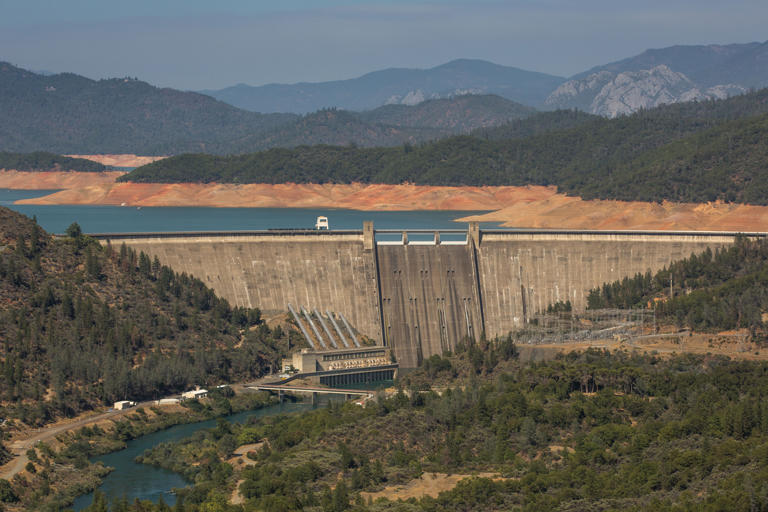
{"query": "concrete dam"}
[(418, 297)]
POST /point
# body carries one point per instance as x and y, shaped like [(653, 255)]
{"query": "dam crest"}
[(424, 291)]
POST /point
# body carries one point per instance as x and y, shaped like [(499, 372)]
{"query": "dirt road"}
[(19, 447)]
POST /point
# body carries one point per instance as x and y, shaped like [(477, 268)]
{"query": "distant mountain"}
[(663, 76), (706, 65), (390, 125), (459, 114), (67, 113), (395, 86)]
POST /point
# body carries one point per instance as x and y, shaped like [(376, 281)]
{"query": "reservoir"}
[(130, 219)]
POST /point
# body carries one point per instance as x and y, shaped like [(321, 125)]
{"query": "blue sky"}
[(196, 44)]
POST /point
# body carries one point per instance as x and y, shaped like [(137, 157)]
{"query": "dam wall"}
[(331, 271), (419, 298), (521, 273)]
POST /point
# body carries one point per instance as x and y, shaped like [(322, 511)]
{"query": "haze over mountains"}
[(655, 77), (395, 86), (67, 113)]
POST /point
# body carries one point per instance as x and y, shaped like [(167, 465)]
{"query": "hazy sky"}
[(197, 44)]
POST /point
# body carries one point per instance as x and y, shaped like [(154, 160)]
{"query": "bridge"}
[(314, 391), (421, 292)]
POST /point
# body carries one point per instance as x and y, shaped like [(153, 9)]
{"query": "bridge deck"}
[(309, 389)]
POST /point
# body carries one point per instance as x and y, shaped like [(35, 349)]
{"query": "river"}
[(144, 482)]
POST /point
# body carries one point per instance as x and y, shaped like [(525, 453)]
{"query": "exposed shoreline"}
[(522, 207)]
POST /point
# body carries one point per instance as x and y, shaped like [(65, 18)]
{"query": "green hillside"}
[(41, 161), (459, 114), (728, 162), (537, 124), (84, 325), (334, 127), (67, 113), (684, 152), (710, 291)]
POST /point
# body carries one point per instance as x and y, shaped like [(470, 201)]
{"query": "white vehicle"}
[(322, 223)]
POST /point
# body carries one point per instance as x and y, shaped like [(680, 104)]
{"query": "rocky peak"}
[(611, 94)]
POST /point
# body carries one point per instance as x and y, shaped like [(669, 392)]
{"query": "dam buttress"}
[(419, 297)]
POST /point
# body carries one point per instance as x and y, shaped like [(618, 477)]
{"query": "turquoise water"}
[(145, 482), (118, 219)]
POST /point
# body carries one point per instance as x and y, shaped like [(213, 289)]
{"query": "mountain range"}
[(395, 86), (654, 77), (663, 76), (67, 113)]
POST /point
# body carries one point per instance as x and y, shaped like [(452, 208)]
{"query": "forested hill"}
[(541, 122), (724, 290), (84, 325), (458, 114), (42, 161), (392, 125), (712, 148), (67, 113)]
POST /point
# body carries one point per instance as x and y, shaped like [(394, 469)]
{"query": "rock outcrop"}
[(612, 94)]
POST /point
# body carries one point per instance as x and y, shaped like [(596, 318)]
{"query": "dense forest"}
[(83, 325), (458, 114), (390, 125), (585, 431), (698, 151), (540, 123), (42, 161), (719, 290)]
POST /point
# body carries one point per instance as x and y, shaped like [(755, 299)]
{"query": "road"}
[(19, 447)]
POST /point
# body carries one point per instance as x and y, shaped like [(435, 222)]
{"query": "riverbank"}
[(52, 467), (520, 207)]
